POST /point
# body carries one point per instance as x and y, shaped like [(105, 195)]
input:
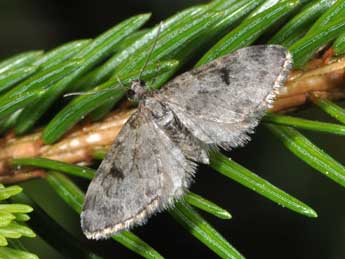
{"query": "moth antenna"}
[(78, 93), (151, 50), (119, 80), (155, 77), (97, 91)]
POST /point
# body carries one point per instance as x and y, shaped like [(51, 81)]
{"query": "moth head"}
[(137, 91)]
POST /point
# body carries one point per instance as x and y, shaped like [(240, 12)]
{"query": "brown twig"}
[(324, 79)]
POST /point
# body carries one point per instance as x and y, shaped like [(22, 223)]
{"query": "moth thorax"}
[(162, 115), (137, 91)]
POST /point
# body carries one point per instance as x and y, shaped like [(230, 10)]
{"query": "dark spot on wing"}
[(117, 173), (224, 73), (203, 91), (110, 179)]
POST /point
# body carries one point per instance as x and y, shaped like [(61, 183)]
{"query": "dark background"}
[(259, 228)]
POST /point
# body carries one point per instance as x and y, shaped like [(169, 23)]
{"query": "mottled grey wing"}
[(222, 101), (143, 172)]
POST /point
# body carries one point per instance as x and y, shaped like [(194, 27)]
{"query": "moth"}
[(152, 162)]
